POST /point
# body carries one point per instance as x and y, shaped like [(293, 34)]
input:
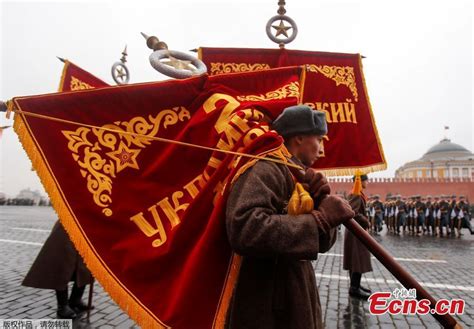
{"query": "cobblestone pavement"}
[(444, 266)]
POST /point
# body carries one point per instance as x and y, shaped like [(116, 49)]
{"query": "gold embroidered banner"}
[(74, 78), (334, 84), (144, 209)]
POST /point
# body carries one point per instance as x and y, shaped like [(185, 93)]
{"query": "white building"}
[(443, 160)]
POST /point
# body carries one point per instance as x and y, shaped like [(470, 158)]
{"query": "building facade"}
[(443, 160)]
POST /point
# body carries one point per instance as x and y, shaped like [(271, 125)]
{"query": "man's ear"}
[(299, 139)]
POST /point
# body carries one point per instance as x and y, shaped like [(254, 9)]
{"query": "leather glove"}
[(317, 184), (332, 211)]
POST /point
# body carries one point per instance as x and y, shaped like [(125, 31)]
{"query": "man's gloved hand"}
[(332, 211), (362, 220), (317, 183)]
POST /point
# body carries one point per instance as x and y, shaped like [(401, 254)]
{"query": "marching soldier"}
[(392, 214), (436, 216), (420, 218), (412, 215), (378, 216), (465, 213), (372, 228), (401, 214), (444, 221), (429, 219), (453, 214)]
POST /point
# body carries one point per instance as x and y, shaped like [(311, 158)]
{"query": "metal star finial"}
[(281, 29), (178, 64)]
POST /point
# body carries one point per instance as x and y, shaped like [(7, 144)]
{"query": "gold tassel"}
[(294, 204), (357, 188), (300, 202), (306, 201)]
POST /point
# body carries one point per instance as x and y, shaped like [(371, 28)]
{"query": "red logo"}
[(404, 302)]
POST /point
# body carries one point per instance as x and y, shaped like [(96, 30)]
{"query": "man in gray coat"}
[(276, 287)]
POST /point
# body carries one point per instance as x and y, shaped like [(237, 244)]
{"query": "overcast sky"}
[(418, 67)]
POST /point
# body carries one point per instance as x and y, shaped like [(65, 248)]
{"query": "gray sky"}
[(418, 67)]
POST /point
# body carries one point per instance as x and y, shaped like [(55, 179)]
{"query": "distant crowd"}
[(23, 202), (444, 215)]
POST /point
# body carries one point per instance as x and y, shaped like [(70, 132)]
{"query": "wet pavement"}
[(444, 266)]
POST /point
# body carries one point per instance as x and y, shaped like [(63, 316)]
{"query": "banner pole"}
[(387, 260), (405, 278)]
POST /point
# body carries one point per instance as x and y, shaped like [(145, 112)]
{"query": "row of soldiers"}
[(416, 215)]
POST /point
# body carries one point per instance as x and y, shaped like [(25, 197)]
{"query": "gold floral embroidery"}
[(77, 84), (102, 154), (290, 90), (221, 68), (340, 74)]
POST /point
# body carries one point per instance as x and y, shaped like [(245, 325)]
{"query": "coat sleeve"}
[(256, 225), (359, 208)]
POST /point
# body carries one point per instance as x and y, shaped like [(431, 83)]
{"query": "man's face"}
[(307, 149), (364, 184)]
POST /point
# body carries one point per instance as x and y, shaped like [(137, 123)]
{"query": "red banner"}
[(75, 78), (143, 206), (334, 84)]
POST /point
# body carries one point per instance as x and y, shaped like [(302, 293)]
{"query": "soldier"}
[(411, 215), (401, 214), (387, 213), (453, 214), (436, 216), (372, 228), (392, 213), (378, 216), (420, 218), (356, 256), (429, 219), (444, 221), (276, 285), (57, 263), (465, 213)]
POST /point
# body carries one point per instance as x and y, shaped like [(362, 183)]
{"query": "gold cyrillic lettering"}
[(149, 230), (350, 112), (337, 114), (191, 187), (210, 106), (172, 212)]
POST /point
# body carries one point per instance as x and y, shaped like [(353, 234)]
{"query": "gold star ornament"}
[(124, 157), (281, 29)]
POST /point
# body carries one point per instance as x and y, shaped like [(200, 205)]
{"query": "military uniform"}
[(436, 216), (465, 214), (444, 221), (429, 218), (420, 218), (378, 214), (453, 215), (401, 214)]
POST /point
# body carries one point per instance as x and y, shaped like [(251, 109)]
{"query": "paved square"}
[(443, 266)]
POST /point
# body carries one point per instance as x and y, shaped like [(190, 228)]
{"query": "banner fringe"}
[(352, 171), (364, 84), (128, 303), (233, 274)]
